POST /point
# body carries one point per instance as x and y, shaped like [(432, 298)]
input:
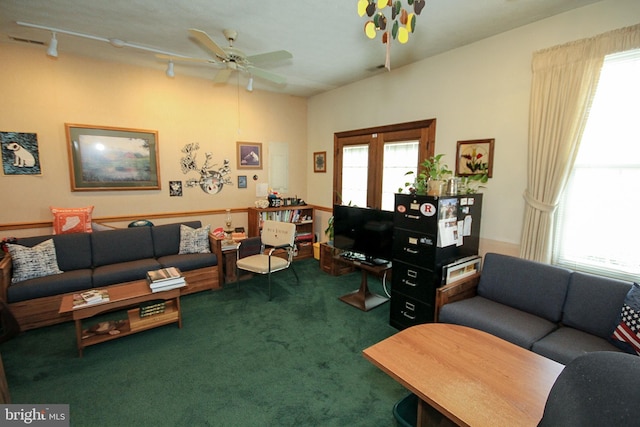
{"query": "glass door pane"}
[(355, 170), (399, 158)]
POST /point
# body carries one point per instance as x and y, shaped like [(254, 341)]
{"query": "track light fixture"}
[(170, 72), (250, 84), (52, 51)]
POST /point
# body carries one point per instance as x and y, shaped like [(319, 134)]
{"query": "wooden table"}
[(123, 296), (471, 377), (362, 297)]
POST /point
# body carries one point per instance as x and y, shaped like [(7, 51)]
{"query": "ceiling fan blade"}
[(207, 42), (222, 76), (184, 58), (267, 75), (277, 55)]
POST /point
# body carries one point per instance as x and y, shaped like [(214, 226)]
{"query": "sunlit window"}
[(399, 158), (597, 223)]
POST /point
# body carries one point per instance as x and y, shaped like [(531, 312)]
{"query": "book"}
[(163, 274), (168, 287), (94, 296), (167, 282)]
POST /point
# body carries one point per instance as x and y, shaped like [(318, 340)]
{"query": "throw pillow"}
[(72, 220), (626, 334), (194, 241), (29, 263)]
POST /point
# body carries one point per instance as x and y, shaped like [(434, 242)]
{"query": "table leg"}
[(362, 298), (79, 336)]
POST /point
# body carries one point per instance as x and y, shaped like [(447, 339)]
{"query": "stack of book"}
[(165, 279), (152, 307), (90, 297)]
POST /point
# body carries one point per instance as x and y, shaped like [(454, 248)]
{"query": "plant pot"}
[(436, 187)]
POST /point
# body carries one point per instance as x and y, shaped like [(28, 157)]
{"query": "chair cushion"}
[(29, 263), (166, 238), (122, 245), (260, 263), (188, 262), (565, 344), (123, 272), (73, 251), (72, 220), (510, 324), (57, 284), (194, 241)]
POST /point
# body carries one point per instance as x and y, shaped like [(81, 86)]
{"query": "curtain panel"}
[(563, 85)]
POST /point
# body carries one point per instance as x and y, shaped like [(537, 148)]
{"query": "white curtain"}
[(563, 85)]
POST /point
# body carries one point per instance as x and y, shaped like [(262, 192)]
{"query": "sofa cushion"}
[(534, 287), (508, 323), (188, 262), (166, 238), (112, 274), (593, 303), (73, 251), (29, 263), (122, 245), (72, 220), (626, 334), (194, 241), (70, 281), (565, 344)]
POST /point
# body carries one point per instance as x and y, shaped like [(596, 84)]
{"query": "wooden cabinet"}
[(301, 216)]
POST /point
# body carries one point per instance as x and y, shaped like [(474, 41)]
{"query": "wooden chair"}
[(277, 247)]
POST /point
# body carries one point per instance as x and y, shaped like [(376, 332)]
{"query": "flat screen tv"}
[(364, 231)]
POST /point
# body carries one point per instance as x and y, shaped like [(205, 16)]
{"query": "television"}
[(364, 234)]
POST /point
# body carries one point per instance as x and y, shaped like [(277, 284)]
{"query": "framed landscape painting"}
[(110, 158)]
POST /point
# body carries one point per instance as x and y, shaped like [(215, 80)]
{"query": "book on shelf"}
[(163, 275), (93, 296)]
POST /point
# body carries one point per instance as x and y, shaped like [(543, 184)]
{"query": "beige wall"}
[(475, 92), (41, 94)]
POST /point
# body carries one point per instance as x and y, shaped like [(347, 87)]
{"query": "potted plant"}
[(431, 178), (470, 184)]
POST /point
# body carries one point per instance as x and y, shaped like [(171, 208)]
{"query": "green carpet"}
[(239, 360)]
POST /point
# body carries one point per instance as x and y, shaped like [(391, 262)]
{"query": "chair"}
[(279, 239)]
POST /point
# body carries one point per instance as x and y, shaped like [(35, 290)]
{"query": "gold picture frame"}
[(104, 158), (320, 161), (249, 155)]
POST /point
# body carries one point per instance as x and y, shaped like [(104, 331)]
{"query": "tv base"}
[(363, 298)]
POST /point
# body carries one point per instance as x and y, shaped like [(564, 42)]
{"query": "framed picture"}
[(20, 155), (110, 158), (242, 181), (320, 161), (460, 269), (474, 157), (249, 155)]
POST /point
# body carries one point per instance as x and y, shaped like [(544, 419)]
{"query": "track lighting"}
[(53, 46), (170, 72), (250, 84)]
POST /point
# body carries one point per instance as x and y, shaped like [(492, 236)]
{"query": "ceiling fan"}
[(234, 59)]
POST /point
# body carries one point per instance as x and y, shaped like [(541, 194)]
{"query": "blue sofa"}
[(555, 312), (99, 260)]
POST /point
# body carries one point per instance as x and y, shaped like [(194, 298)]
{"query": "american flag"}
[(627, 329)]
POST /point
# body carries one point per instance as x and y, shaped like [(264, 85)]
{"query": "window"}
[(597, 222), (370, 164)]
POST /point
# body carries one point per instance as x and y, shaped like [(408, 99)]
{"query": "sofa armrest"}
[(6, 268), (456, 291)]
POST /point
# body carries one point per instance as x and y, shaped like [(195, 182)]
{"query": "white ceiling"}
[(326, 37)]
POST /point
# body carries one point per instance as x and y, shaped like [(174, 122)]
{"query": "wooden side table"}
[(330, 262)]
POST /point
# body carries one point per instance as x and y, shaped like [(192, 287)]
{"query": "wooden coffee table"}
[(123, 296), (471, 377)]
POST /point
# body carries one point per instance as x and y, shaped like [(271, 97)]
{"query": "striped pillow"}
[(29, 263), (626, 334)]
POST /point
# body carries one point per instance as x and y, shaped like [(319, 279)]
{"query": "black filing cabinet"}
[(429, 232)]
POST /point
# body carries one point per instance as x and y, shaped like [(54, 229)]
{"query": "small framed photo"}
[(249, 155), (460, 269), (320, 161), (474, 157), (109, 158), (242, 181)]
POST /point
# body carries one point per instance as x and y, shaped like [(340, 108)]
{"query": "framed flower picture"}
[(474, 157)]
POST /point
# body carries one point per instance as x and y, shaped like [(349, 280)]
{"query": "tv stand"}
[(363, 298)]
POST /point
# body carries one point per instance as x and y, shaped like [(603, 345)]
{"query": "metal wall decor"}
[(211, 180)]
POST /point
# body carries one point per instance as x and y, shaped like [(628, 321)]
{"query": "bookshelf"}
[(302, 216)]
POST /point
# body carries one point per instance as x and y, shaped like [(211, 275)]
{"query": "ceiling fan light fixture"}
[(52, 51), (250, 84), (170, 72)]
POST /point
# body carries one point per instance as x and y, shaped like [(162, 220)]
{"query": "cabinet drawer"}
[(417, 283), (406, 311), (415, 248)]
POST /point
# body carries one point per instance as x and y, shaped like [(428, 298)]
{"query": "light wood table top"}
[(472, 377)]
